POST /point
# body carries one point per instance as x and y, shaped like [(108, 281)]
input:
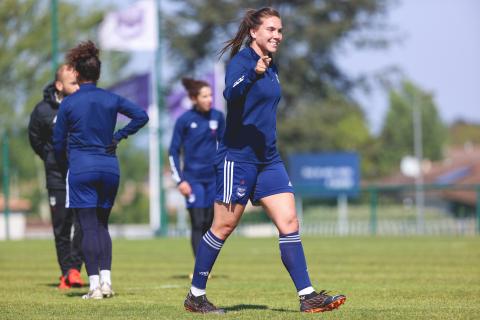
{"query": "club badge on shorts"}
[(53, 201), (241, 191)]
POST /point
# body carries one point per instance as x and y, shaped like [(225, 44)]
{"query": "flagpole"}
[(163, 228), (54, 22)]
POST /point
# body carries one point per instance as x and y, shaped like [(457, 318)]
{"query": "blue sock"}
[(207, 253), (293, 258)]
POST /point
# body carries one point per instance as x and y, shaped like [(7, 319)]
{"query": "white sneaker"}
[(106, 290), (93, 294)]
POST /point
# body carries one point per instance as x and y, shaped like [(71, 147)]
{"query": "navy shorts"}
[(91, 189), (202, 196), (237, 182)]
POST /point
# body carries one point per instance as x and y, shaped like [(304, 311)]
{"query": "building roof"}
[(461, 166)]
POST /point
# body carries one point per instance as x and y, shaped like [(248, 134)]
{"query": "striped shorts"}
[(237, 182)]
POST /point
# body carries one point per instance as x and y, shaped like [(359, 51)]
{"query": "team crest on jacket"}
[(193, 125), (191, 198), (213, 124)]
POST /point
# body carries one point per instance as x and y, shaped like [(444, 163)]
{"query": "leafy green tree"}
[(396, 138), (329, 125)]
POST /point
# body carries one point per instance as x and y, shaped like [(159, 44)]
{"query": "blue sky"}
[(439, 51)]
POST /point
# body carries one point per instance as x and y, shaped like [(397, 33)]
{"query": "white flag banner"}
[(134, 28)]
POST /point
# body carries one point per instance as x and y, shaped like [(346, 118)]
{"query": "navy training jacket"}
[(196, 134), (252, 100), (85, 127)]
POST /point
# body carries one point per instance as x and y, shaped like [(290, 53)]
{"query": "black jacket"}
[(40, 132)]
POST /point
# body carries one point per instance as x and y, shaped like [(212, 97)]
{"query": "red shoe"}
[(74, 279), (63, 284)]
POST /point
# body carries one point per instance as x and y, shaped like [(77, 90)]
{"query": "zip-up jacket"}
[(196, 134), (252, 100)]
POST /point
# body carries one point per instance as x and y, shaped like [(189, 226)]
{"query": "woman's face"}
[(268, 35), (203, 100)]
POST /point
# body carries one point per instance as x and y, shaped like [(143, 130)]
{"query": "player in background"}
[(249, 165), (40, 132), (195, 137), (86, 124)]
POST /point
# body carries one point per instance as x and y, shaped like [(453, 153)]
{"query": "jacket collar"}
[(88, 85)]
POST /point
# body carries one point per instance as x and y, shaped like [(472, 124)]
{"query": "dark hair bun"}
[(84, 58)]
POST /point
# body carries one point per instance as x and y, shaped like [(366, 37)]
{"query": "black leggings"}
[(96, 243), (201, 220)]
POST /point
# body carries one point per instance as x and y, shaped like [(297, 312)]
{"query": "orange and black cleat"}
[(74, 279), (320, 302), (63, 283)]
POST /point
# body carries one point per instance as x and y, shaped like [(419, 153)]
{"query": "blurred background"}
[(379, 122)]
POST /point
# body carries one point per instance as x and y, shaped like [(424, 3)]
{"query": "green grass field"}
[(383, 278)]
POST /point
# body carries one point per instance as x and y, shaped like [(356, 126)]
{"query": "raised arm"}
[(238, 80)]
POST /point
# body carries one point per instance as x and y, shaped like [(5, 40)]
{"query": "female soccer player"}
[(86, 123), (249, 165), (196, 133)]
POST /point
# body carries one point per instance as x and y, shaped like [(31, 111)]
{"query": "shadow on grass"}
[(76, 294), (55, 285), (51, 284), (186, 276), (284, 310), (239, 307)]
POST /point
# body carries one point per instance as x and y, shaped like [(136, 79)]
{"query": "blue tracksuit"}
[(248, 163), (84, 128), (252, 101), (197, 134)]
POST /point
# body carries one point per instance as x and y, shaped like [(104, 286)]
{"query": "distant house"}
[(460, 169)]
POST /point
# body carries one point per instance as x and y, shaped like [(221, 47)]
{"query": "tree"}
[(332, 124), (396, 138)]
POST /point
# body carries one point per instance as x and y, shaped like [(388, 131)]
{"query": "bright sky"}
[(440, 53)]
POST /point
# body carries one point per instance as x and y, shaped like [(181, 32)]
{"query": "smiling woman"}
[(248, 165)]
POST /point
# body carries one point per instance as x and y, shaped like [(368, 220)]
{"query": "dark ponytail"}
[(84, 59), (193, 86), (251, 20)]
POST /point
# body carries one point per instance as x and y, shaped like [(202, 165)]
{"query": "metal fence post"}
[(478, 209), (6, 184), (373, 210)]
